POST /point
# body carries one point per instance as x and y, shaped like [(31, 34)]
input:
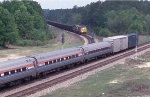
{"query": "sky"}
[(58, 4)]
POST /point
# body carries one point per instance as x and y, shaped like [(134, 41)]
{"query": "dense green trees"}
[(123, 21), (108, 17), (7, 28), (22, 23)]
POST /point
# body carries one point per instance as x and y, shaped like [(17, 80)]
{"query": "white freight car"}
[(119, 42)]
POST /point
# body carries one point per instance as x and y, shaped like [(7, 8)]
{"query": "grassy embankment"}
[(144, 38)]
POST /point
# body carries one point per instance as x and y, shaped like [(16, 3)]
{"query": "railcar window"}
[(46, 63), (66, 58), (58, 60), (50, 62), (12, 72), (6, 73), (76, 55), (54, 61), (24, 69), (18, 70), (62, 59), (69, 57)]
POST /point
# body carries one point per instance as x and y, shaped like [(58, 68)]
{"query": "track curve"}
[(89, 38), (69, 28)]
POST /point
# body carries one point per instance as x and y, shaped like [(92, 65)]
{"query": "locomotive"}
[(80, 29), (28, 67)]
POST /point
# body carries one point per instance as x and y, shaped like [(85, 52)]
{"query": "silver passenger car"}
[(56, 59), (97, 49), (16, 69)]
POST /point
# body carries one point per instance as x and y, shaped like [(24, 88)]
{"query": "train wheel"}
[(86, 61)]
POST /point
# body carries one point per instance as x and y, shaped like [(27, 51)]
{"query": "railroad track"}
[(89, 38), (63, 78)]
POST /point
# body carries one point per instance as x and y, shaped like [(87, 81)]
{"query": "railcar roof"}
[(58, 53), (15, 63), (96, 46), (116, 37), (102, 44), (131, 34)]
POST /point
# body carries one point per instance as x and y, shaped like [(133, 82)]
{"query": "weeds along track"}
[(63, 78), (86, 38), (89, 38)]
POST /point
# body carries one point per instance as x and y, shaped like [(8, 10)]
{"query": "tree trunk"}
[(5, 45)]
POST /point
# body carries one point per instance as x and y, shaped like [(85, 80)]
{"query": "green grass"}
[(93, 86), (131, 81), (144, 38)]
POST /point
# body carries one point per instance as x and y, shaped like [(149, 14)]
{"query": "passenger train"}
[(29, 67)]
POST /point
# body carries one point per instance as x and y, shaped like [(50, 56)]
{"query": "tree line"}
[(22, 23), (107, 18)]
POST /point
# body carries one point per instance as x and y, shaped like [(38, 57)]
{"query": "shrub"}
[(30, 43)]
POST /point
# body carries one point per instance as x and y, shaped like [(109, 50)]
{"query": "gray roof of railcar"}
[(97, 45), (116, 37), (15, 63), (131, 34), (55, 54)]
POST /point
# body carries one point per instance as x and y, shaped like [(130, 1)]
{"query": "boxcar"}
[(119, 42), (132, 40)]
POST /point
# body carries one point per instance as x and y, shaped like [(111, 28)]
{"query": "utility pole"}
[(136, 52), (136, 45), (62, 40), (93, 37)]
